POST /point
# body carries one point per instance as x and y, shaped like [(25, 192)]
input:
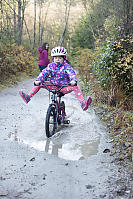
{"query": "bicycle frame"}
[(56, 108), (55, 93)]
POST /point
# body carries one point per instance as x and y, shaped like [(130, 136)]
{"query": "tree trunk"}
[(40, 16), (22, 19), (61, 41), (44, 22), (15, 21), (34, 24), (27, 31), (1, 14), (127, 16), (19, 25)]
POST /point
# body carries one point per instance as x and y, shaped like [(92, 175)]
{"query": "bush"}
[(83, 36), (15, 59), (114, 69)]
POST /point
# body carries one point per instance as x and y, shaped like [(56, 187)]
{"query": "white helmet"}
[(58, 51)]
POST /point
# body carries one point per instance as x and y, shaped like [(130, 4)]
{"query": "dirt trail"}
[(70, 165)]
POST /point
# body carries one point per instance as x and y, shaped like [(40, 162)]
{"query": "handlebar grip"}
[(73, 85), (37, 85)]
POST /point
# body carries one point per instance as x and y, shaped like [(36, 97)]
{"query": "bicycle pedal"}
[(66, 121)]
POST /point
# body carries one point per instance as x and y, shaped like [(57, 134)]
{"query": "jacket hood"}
[(40, 49)]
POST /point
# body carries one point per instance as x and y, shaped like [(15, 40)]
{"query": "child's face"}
[(47, 46), (58, 60)]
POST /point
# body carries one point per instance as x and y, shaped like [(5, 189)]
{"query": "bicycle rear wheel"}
[(51, 121)]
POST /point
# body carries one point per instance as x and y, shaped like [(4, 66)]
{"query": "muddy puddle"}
[(76, 141)]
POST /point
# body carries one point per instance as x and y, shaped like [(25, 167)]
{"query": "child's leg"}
[(76, 89), (78, 93), (37, 88), (27, 97), (34, 91), (84, 103)]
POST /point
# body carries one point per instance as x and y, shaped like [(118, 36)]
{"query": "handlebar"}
[(57, 86)]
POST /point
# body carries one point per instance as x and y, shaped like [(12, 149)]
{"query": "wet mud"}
[(71, 164)]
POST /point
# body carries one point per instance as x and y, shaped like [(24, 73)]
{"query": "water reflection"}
[(68, 151), (52, 148)]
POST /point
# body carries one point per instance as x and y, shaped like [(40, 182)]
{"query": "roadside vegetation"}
[(16, 64), (100, 45)]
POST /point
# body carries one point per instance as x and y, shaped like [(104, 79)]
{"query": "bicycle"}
[(56, 111)]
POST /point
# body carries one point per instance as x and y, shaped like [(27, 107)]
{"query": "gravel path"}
[(74, 166)]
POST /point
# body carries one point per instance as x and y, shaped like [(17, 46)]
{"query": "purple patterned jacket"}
[(58, 73)]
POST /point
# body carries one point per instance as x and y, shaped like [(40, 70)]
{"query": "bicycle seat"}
[(60, 94)]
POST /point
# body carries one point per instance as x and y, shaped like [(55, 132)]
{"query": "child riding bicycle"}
[(58, 72)]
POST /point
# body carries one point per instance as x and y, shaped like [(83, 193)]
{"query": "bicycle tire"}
[(51, 121)]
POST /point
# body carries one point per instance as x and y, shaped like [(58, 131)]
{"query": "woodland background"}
[(98, 35)]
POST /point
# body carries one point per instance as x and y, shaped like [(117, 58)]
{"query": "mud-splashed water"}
[(76, 141)]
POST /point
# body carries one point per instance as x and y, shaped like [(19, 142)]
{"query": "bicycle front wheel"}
[(51, 121)]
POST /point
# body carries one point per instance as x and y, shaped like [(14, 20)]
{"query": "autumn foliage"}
[(114, 71), (15, 59)]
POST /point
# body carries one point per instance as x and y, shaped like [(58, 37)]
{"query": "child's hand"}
[(37, 83), (72, 83)]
